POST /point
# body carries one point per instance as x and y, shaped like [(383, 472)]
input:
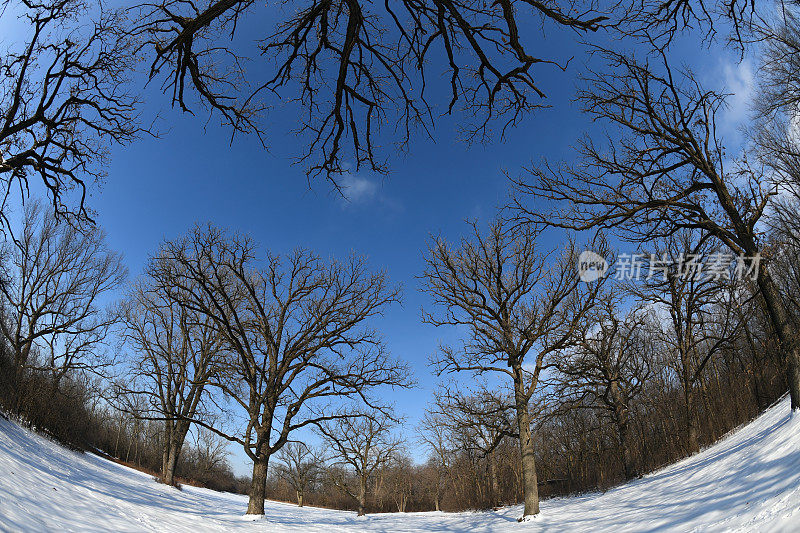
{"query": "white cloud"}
[(357, 189), (739, 84)]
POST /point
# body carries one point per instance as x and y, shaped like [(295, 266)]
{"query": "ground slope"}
[(750, 481)]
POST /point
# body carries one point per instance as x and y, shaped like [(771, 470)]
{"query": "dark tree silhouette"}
[(64, 99)]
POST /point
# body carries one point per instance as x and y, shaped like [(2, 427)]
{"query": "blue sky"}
[(158, 188)]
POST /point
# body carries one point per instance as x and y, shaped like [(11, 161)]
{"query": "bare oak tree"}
[(701, 314), (176, 354), (399, 480), (210, 452), (608, 368), (360, 445), (478, 421), (433, 433), (297, 331), (64, 99), (300, 466), (518, 311)]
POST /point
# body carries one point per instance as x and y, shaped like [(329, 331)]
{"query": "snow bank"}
[(750, 481)]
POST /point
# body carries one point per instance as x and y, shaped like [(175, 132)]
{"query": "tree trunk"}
[(627, 460), (438, 489), (401, 502), (780, 322), (299, 498), (601, 471), (20, 361), (165, 461), (166, 449), (116, 442), (530, 484), (175, 437), (621, 418), (692, 443), (258, 487), (130, 445), (172, 462), (362, 496), (495, 494)]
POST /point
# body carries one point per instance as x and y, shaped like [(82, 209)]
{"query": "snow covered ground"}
[(750, 481)]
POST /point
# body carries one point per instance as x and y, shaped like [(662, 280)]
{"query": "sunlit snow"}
[(750, 481)]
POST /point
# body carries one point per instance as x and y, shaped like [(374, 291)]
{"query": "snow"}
[(750, 481)]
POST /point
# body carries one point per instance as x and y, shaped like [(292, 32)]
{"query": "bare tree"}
[(210, 452), (360, 445), (518, 310), (778, 144), (177, 350), (779, 84), (297, 330), (300, 467), (400, 480), (55, 279), (665, 172), (701, 319), (478, 421), (608, 368), (433, 433), (64, 98), (351, 66)]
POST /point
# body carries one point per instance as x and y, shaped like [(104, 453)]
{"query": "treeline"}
[(577, 449)]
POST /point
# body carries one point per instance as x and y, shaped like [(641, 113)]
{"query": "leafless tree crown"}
[(55, 278), (65, 98)]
